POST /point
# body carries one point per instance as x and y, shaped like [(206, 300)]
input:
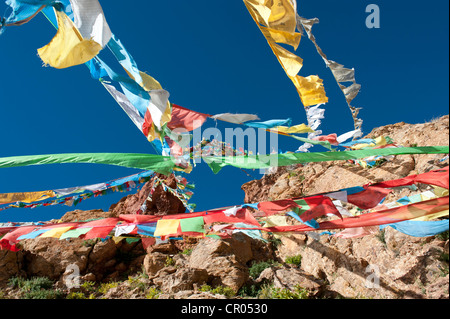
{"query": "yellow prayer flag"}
[(276, 14), (290, 38), (148, 82), (283, 15), (440, 191), (25, 197), (310, 89), (68, 48), (275, 220), (379, 141), (301, 128), (166, 227), (432, 216), (290, 62), (259, 12), (56, 232)]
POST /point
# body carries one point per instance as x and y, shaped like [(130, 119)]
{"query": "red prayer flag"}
[(316, 206), (277, 206), (9, 240), (368, 198), (101, 228), (148, 122), (438, 177), (185, 118), (332, 139), (242, 216)]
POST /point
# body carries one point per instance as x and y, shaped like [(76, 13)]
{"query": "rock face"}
[(401, 265), (386, 264), (101, 260), (315, 178), (10, 265)]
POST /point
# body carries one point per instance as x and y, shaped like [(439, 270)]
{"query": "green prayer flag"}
[(216, 163), (194, 224), (75, 233), (156, 163)]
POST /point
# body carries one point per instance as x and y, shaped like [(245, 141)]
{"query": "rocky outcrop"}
[(315, 178), (159, 203), (96, 259), (386, 264)]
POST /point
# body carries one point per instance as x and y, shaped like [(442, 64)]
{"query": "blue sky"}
[(212, 58)]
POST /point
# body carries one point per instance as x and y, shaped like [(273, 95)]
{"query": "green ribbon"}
[(157, 163), (165, 164)]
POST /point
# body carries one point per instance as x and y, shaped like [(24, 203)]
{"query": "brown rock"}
[(49, 257), (10, 265), (154, 262)]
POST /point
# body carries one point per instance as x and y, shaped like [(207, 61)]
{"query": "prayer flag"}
[(165, 227), (68, 47)]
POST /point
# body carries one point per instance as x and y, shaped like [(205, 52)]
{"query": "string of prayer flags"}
[(72, 195), (378, 218), (226, 221), (165, 164), (341, 74)]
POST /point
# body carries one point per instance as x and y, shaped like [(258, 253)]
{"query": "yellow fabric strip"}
[(149, 83), (68, 48), (299, 129), (25, 197), (379, 141), (310, 89), (432, 216)]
